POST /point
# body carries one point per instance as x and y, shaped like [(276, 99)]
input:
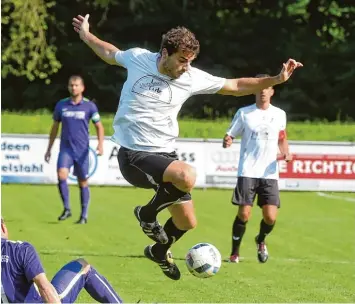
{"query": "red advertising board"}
[(319, 166)]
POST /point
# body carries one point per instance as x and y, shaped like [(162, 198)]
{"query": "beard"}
[(169, 71)]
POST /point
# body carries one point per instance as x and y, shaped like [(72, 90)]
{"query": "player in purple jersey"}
[(75, 113), (23, 279)]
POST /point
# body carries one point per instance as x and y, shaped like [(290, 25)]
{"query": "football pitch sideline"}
[(312, 248)]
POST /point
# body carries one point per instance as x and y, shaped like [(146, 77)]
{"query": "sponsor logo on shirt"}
[(261, 133), (153, 87), (74, 114), (5, 259)]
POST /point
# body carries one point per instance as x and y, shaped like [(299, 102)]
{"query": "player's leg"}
[(158, 172), (152, 170), (243, 196), (269, 201), (81, 171), (65, 161), (175, 185), (182, 219), (79, 274)]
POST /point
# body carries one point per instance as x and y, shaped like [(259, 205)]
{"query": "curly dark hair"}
[(180, 38)]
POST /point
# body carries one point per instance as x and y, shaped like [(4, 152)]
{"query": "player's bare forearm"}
[(248, 86), (46, 289), (100, 131), (49, 294), (106, 51), (53, 134), (284, 147)]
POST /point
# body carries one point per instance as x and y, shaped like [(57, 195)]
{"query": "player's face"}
[(75, 87), (265, 95), (178, 63)]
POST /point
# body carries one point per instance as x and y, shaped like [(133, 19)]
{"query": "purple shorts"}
[(67, 159)]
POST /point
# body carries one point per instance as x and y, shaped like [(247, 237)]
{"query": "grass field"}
[(312, 252), (40, 122)]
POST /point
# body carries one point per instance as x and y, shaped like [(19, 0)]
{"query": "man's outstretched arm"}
[(104, 50), (247, 86)]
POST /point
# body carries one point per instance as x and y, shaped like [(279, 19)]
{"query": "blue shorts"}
[(67, 159), (68, 282)]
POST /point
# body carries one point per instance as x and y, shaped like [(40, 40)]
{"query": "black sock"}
[(265, 229), (174, 234), (165, 196), (237, 234)]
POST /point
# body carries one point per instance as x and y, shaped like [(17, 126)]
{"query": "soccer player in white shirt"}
[(262, 127), (145, 126)]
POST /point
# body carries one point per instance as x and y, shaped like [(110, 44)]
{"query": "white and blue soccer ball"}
[(203, 260)]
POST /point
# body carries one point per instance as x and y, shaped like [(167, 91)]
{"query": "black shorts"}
[(144, 169), (247, 188)]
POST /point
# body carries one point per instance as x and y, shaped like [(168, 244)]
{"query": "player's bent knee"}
[(83, 183), (187, 178), (181, 175), (85, 265), (62, 174), (244, 214), (269, 219)]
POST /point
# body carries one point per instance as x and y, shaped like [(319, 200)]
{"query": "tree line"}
[(238, 38)]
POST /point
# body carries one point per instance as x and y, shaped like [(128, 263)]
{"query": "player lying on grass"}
[(23, 279)]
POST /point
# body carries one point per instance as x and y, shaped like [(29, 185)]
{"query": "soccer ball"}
[(203, 260)]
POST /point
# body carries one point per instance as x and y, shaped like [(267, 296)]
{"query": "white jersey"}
[(259, 143), (146, 119)]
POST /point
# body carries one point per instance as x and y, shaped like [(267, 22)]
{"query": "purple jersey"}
[(19, 265), (75, 120)]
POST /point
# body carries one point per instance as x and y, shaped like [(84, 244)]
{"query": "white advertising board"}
[(316, 166)]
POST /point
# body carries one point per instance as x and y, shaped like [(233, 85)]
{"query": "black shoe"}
[(82, 220), (153, 230), (66, 214), (167, 265), (262, 252)]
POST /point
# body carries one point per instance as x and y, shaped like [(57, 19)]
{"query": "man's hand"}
[(288, 69), (227, 141), (100, 150), (47, 156), (285, 157), (288, 157), (81, 26)]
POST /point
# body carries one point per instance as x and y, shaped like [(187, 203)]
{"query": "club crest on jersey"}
[(262, 132), (153, 87)]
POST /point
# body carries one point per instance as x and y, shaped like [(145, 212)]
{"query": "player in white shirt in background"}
[(262, 127), (145, 126)]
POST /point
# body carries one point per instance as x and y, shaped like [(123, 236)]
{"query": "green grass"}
[(312, 253), (40, 123)]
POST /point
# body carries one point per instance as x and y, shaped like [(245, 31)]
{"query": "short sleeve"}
[(124, 58), (95, 116), (283, 121), (236, 126), (57, 114), (205, 83), (31, 262)]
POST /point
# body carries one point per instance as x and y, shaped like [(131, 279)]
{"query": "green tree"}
[(26, 49)]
